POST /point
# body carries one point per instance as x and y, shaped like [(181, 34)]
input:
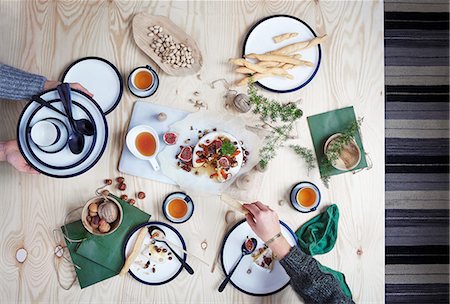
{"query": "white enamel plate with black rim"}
[(63, 163), (259, 282), (259, 40), (100, 77), (164, 272)]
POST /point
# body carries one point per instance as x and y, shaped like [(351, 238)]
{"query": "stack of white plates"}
[(61, 162)]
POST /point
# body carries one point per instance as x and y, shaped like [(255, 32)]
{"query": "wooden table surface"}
[(46, 36)]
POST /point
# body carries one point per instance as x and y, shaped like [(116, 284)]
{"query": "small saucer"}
[(184, 197), (149, 92), (293, 197), (61, 140)]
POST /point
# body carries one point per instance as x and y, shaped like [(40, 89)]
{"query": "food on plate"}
[(158, 254), (282, 37), (185, 154), (135, 251), (177, 54), (170, 138), (219, 155), (263, 257), (298, 46), (276, 58), (274, 63)]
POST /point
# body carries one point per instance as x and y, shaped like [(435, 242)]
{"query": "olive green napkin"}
[(323, 125), (100, 257), (318, 236)]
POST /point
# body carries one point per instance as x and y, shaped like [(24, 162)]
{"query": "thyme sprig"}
[(285, 115)]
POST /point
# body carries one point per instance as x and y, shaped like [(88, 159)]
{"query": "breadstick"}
[(269, 57), (252, 66), (269, 64), (244, 70), (282, 37), (237, 61), (135, 251), (291, 48), (259, 76)]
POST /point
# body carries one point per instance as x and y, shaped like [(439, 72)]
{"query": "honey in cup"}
[(177, 208), (306, 197), (143, 80), (146, 143)]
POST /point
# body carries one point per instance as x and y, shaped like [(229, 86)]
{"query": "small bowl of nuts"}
[(102, 215)]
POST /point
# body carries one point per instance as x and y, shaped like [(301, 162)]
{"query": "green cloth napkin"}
[(100, 257), (323, 125), (318, 236)]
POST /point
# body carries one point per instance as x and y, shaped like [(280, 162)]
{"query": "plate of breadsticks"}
[(281, 53)]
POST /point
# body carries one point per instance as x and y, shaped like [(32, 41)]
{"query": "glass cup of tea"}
[(143, 142), (305, 197)]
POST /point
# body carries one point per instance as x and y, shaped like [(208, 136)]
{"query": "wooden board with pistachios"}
[(173, 50)]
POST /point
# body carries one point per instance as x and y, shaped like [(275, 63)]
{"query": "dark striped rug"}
[(417, 151)]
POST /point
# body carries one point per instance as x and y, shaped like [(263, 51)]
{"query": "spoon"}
[(159, 236), (245, 250), (76, 139), (84, 126)]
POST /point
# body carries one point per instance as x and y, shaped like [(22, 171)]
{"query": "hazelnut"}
[(92, 214), (120, 179), (104, 228), (122, 187), (89, 218), (132, 201), (102, 222), (124, 197), (95, 221), (162, 116), (93, 207), (108, 181), (141, 195), (105, 192)]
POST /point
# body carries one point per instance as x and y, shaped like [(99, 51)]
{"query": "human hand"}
[(51, 84), (266, 224), (13, 156), (263, 220)]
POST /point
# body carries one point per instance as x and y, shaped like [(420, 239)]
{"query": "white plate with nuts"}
[(174, 51)]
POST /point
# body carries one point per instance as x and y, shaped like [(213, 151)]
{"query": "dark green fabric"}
[(100, 257), (318, 236), (323, 125)]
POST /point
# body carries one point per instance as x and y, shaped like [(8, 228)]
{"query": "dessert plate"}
[(100, 77), (257, 281), (165, 271), (259, 40), (63, 163)]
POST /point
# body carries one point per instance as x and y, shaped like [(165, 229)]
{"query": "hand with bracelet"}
[(266, 224), (307, 279)]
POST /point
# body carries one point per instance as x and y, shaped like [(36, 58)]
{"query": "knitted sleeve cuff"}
[(16, 84)]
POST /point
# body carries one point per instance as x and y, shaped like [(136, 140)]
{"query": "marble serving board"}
[(147, 113)]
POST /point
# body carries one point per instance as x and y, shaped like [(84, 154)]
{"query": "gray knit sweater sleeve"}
[(19, 85), (313, 285)]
